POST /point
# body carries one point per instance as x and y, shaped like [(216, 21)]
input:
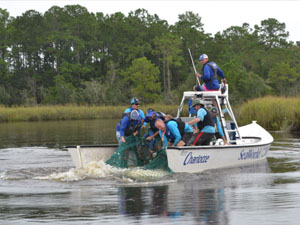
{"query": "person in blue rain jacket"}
[(174, 132)]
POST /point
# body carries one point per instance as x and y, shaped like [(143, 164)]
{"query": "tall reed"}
[(72, 112), (273, 113)]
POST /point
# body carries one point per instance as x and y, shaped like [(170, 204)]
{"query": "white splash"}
[(3, 176), (92, 170), (100, 169)]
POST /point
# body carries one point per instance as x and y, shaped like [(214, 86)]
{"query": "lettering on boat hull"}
[(253, 153), (190, 159)]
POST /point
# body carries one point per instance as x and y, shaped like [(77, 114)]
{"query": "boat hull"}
[(195, 160), (84, 154)]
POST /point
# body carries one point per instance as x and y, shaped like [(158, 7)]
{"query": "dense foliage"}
[(68, 55)]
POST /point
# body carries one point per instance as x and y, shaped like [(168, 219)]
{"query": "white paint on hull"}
[(83, 155)]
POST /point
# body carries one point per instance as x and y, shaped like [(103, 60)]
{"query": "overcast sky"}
[(216, 15)]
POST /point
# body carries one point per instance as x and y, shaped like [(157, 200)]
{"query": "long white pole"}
[(194, 66)]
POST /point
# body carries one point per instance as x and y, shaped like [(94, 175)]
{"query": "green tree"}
[(4, 20), (25, 56), (4, 96), (73, 56), (240, 43), (272, 33), (62, 93), (190, 29), (253, 86), (284, 79), (93, 92), (243, 85), (71, 38), (142, 78), (169, 46)]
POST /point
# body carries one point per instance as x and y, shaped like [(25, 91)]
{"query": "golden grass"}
[(72, 112), (273, 113)]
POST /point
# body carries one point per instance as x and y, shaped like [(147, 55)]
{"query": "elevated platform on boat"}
[(220, 100)]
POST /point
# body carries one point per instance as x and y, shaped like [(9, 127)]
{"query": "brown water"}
[(39, 185)]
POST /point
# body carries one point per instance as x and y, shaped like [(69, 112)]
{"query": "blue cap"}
[(203, 56), (149, 114), (135, 101), (150, 110), (134, 115)]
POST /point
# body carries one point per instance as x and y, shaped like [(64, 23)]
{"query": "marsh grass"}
[(72, 112), (273, 113)]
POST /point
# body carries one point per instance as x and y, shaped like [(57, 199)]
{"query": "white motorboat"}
[(248, 144)]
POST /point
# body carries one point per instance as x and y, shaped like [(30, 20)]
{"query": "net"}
[(135, 153), (160, 161)]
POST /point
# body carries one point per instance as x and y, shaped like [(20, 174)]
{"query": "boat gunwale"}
[(217, 147), (201, 147), (214, 147), (91, 146)]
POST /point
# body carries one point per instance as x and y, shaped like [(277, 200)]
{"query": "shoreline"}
[(72, 112), (272, 113)]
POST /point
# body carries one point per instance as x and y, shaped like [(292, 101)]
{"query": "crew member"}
[(135, 104), (210, 71), (130, 124), (174, 131), (151, 117), (215, 118), (205, 126)]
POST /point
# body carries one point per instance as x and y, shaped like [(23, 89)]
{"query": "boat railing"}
[(221, 101)]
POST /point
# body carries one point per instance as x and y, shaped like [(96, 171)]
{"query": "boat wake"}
[(99, 170), (3, 176), (54, 165), (141, 175)]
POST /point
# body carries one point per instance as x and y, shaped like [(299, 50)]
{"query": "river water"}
[(39, 184)]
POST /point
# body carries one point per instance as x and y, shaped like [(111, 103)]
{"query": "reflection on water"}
[(31, 193), (167, 203), (57, 133)]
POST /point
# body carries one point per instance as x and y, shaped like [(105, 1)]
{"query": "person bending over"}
[(174, 132)]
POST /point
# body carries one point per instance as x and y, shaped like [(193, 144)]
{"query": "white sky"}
[(216, 15)]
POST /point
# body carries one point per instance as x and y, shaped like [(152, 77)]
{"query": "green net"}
[(160, 161), (135, 153)]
